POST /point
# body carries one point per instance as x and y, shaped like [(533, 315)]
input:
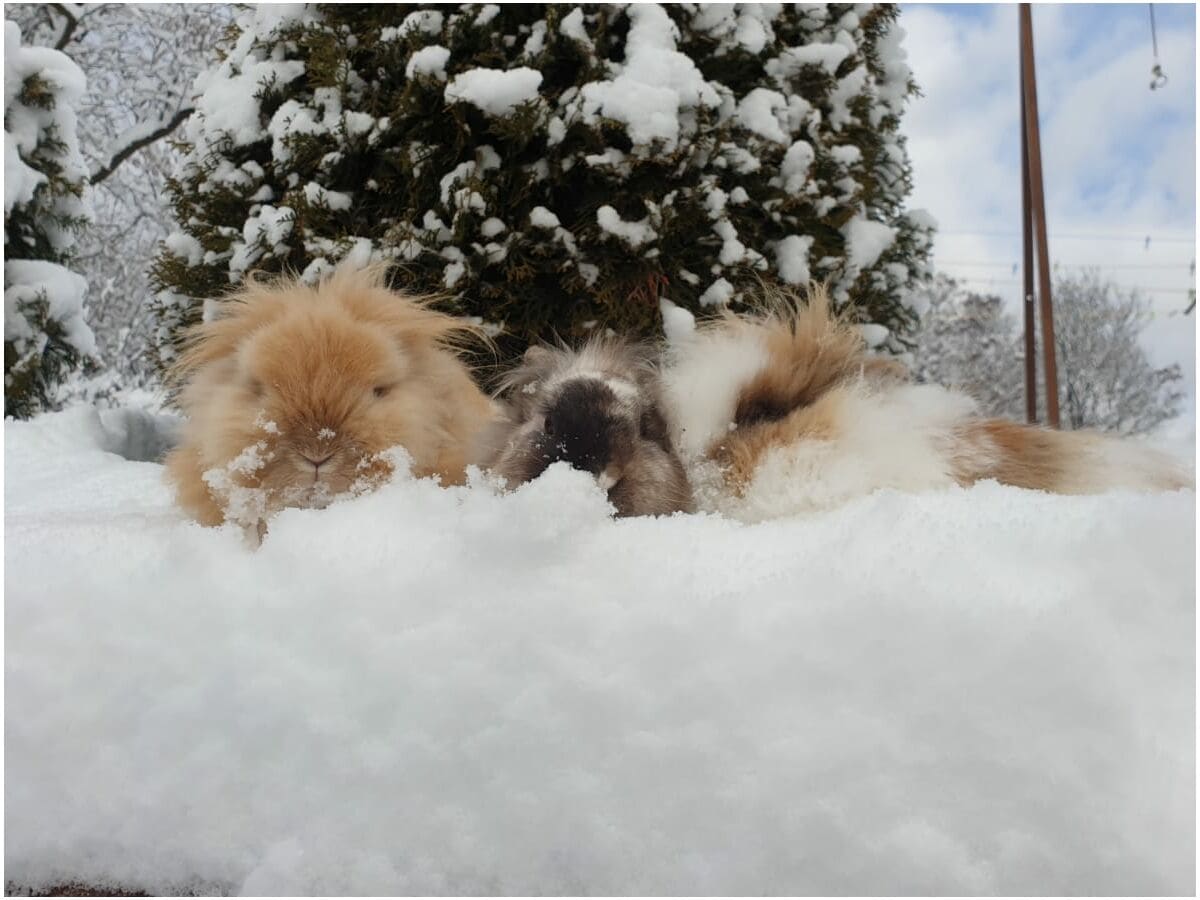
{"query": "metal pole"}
[(1037, 198), (1027, 272)]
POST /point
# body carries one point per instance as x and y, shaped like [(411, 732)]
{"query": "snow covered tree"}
[(1105, 380), (1104, 377), (45, 206), (967, 340), (555, 168), (140, 62)]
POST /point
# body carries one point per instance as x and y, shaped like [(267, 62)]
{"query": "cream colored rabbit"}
[(292, 392)]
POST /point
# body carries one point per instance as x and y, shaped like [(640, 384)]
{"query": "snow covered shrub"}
[(556, 168), (45, 335)]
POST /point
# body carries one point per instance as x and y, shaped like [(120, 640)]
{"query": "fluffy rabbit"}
[(785, 411), (597, 408), (293, 393)]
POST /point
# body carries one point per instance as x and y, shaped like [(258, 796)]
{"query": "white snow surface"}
[(454, 691)]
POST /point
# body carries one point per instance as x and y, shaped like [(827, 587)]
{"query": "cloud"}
[(1119, 159)]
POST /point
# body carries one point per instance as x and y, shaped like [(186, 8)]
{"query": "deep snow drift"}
[(428, 691)]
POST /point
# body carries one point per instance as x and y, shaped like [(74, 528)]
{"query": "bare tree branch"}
[(143, 141), (70, 26)]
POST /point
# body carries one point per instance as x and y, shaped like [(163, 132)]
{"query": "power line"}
[(1076, 236), (1007, 265), (1149, 289)]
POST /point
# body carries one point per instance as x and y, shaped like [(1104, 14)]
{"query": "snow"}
[(228, 103), (732, 250), (263, 232), (486, 14), (28, 281), (26, 128), (789, 63), (654, 84), (759, 111), (495, 91), (540, 217), (451, 691), (865, 241), (791, 258), (874, 335), (537, 39), (184, 246), (717, 294), (678, 324), (317, 195), (20, 180), (572, 26), (796, 163), (633, 233), (291, 119), (492, 227), (429, 60), (846, 154), (427, 21)]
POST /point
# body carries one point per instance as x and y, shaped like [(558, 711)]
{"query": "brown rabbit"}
[(598, 409), (293, 392)]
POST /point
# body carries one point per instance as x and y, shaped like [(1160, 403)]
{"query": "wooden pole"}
[(1037, 199), (1027, 271)]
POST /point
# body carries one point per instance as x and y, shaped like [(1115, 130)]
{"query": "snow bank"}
[(450, 691)]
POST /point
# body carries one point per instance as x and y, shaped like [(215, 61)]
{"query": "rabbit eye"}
[(548, 426), (382, 390), (256, 387)]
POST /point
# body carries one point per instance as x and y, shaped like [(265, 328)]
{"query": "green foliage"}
[(360, 152)]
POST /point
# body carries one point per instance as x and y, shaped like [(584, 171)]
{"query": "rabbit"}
[(294, 392), (598, 409), (785, 410)]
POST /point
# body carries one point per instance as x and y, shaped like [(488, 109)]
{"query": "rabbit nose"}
[(317, 461)]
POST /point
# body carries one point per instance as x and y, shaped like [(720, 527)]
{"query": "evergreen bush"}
[(555, 168)]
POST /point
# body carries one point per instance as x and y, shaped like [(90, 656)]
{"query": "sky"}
[(1119, 159)]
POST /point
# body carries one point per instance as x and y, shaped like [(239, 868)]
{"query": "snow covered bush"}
[(45, 206), (556, 168)]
